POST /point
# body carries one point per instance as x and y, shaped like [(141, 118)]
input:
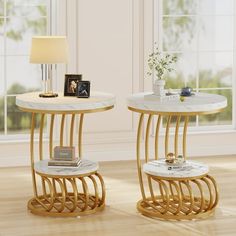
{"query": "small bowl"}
[(186, 91)]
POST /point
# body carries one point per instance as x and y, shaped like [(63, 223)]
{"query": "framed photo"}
[(70, 86), (83, 89)]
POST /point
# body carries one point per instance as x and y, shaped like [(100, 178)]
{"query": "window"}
[(19, 21), (201, 34)]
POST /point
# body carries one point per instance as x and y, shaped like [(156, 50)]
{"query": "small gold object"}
[(181, 98), (170, 158)]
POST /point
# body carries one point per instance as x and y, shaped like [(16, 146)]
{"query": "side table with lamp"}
[(61, 191)]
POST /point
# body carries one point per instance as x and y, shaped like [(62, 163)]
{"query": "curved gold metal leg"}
[(102, 202), (147, 138), (85, 197), (51, 135), (138, 155), (32, 154), (157, 136), (210, 203), (74, 198), (167, 136), (176, 199), (165, 203), (188, 198), (202, 199), (72, 123), (215, 189), (185, 136), (94, 198), (151, 188), (62, 129), (62, 197), (51, 199), (177, 134), (41, 137), (80, 134)]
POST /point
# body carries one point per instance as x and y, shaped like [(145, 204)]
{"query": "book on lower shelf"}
[(59, 163)]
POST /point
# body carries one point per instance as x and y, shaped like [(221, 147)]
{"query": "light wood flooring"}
[(120, 216)]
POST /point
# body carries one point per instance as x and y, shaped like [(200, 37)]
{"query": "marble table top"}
[(86, 167), (97, 100), (189, 169), (197, 103)]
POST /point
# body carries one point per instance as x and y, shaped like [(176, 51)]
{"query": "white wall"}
[(105, 58), (108, 41)]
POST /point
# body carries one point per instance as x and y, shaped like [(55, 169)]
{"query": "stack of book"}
[(64, 157), (167, 97)]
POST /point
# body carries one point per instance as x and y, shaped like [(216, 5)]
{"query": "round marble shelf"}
[(190, 169), (86, 167), (197, 103), (97, 101)]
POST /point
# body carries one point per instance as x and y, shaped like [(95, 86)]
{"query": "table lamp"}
[(48, 50)]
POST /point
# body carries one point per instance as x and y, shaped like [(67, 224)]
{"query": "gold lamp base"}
[(48, 95)]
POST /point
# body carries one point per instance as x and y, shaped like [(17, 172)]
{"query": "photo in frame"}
[(70, 86), (83, 89)]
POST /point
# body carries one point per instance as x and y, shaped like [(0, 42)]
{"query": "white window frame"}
[(52, 14), (157, 32)]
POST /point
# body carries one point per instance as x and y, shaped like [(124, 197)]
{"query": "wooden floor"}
[(120, 216)]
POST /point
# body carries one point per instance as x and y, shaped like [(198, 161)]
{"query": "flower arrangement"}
[(159, 64)]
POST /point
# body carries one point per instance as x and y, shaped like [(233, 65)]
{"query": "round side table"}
[(173, 193), (63, 191)]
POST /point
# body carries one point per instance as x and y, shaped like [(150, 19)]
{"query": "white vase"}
[(158, 87)]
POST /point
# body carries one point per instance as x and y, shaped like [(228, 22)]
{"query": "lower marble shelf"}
[(85, 167), (178, 192), (189, 169)]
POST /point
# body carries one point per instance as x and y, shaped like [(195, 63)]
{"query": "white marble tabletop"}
[(189, 169), (97, 100), (197, 103), (86, 167)]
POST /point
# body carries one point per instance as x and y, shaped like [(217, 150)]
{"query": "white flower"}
[(160, 64)]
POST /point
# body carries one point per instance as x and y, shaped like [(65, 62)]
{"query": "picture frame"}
[(70, 85), (83, 89)]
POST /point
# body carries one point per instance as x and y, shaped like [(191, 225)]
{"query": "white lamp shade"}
[(49, 50)]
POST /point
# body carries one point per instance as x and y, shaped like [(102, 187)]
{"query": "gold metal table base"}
[(171, 198), (174, 199), (62, 194), (75, 196)]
